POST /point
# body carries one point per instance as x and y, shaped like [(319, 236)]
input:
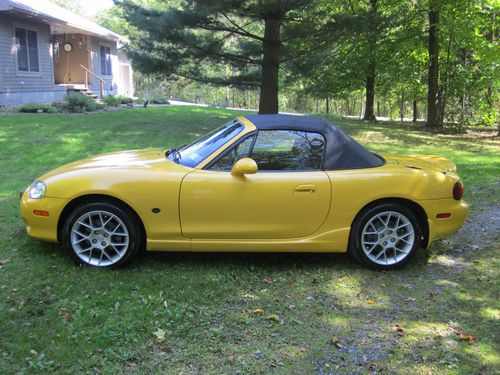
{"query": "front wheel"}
[(101, 235), (385, 236)]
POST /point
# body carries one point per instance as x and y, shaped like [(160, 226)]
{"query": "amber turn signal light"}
[(41, 213)]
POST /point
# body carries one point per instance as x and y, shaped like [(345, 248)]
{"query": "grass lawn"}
[(243, 313)]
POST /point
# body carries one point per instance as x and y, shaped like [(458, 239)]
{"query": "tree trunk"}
[(327, 102), (270, 66), (444, 87), (415, 110), (370, 73), (402, 107), (433, 76), (361, 104)]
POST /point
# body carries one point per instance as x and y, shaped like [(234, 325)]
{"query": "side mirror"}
[(244, 166)]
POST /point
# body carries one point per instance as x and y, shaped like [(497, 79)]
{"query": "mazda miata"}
[(277, 183)]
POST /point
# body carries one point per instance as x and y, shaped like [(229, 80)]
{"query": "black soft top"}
[(342, 152)]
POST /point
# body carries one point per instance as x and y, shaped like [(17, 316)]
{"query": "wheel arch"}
[(96, 198), (407, 203)]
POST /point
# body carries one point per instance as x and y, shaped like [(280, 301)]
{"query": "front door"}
[(289, 197)]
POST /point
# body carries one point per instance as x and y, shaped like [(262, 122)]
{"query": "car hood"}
[(131, 159), (427, 162)]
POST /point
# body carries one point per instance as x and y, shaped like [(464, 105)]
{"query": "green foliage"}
[(78, 103), (116, 100), (37, 107)]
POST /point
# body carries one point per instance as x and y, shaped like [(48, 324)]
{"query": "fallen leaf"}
[(65, 314), (131, 364), (15, 290), (463, 336), (303, 349), (336, 342), (160, 335), (398, 329), (411, 299), (165, 303), (249, 296), (274, 317), (269, 281), (231, 359), (34, 352), (3, 262), (371, 302), (258, 311)]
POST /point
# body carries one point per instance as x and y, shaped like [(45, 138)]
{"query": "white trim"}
[(35, 29)]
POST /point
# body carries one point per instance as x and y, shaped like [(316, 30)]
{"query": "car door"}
[(288, 197)]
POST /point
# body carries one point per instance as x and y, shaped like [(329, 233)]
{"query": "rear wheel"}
[(102, 235), (385, 236)]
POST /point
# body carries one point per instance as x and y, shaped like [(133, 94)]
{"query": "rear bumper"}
[(439, 228), (42, 227)]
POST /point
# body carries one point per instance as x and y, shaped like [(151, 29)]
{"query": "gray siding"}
[(19, 84), (111, 83)]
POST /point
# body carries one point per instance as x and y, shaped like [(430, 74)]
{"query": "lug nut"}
[(393, 240), (105, 235), (385, 243), (103, 243), (94, 241)]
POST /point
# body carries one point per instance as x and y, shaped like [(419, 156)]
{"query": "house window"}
[(105, 61), (27, 50)]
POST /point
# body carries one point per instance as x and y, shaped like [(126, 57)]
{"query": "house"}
[(47, 51)]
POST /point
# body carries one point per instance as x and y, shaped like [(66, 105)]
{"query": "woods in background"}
[(434, 60)]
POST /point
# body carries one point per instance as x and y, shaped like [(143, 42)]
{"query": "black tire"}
[(361, 221), (121, 218)]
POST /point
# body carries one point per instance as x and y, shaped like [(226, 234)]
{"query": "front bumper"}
[(42, 227), (439, 228)]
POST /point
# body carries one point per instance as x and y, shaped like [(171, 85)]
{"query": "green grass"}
[(321, 313)]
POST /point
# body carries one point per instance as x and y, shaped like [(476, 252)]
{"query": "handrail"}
[(101, 81)]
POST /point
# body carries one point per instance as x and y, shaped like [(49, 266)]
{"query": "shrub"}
[(159, 100), (112, 100), (116, 100), (78, 102), (37, 107), (126, 100)]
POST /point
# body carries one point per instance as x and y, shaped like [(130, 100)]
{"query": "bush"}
[(126, 100), (159, 100), (116, 100), (78, 102), (36, 107), (112, 100)]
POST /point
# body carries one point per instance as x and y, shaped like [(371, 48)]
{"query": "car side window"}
[(277, 150), (237, 152)]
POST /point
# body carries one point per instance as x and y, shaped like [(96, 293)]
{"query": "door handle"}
[(305, 188)]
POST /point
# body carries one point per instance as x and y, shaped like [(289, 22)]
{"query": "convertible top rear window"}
[(196, 152)]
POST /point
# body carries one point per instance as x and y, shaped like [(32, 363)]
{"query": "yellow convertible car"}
[(258, 183)]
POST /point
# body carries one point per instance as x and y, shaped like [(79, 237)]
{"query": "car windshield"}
[(196, 152)]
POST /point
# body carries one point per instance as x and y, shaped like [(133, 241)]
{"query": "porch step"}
[(87, 92)]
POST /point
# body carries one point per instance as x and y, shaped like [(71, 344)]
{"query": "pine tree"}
[(236, 42)]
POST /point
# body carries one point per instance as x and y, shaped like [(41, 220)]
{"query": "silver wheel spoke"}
[(85, 225), (393, 240), (93, 248)]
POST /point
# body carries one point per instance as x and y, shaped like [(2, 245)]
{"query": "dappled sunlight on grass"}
[(321, 313)]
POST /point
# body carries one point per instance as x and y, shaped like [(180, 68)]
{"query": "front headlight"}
[(37, 190)]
